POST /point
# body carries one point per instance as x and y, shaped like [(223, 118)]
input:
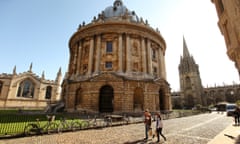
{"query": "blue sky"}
[(38, 31)]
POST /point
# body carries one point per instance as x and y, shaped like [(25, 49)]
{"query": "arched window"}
[(48, 94), (26, 89)]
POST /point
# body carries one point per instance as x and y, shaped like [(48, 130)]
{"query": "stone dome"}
[(119, 10)]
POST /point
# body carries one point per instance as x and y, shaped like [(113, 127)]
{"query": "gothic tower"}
[(190, 81)]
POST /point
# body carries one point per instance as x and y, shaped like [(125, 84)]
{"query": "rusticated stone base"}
[(126, 95)]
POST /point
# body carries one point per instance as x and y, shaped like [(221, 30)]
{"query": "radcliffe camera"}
[(120, 72)]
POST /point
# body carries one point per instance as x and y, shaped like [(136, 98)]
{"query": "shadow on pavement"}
[(142, 142), (237, 140)]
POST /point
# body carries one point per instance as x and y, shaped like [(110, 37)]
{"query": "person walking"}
[(147, 122), (159, 127), (238, 116), (235, 115)]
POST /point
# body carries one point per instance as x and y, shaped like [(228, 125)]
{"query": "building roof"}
[(119, 10)]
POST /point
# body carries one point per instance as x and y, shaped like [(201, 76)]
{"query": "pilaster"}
[(120, 53), (90, 56)]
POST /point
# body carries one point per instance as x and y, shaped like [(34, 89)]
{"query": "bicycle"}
[(89, 123), (36, 128), (66, 125), (107, 121), (126, 119)]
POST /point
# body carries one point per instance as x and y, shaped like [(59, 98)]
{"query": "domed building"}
[(117, 64)]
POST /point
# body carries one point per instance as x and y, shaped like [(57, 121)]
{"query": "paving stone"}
[(198, 129)]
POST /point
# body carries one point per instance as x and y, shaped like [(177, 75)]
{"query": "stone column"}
[(90, 61), (97, 63), (149, 55), (162, 64), (128, 54), (120, 53), (144, 61), (79, 57), (75, 48)]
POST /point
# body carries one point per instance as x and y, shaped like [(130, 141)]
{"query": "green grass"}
[(12, 122), (15, 123)]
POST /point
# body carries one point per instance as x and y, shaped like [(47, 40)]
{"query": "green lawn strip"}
[(11, 124)]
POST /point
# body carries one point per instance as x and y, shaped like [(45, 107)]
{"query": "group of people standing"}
[(148, 125)]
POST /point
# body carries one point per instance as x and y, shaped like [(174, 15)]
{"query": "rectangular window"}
[(153, 54), (48, 94), (108, 65), (155, 70), (109, 47)]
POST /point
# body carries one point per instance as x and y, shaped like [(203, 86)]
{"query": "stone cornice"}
[(117, 27)]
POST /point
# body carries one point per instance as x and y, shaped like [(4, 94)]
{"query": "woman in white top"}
[(159, 127)]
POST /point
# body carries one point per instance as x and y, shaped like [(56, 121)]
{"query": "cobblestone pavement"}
[(199, 129)]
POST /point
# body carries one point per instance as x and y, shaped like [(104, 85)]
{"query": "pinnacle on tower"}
[(43, 75), (30, 68), (185, 49), (59, 76), (14, 70)]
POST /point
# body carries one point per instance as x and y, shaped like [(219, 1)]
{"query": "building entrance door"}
[(161, 100), (106, 99)]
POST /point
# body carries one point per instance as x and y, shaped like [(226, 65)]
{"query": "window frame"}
[(109, 47), (108, 65), (25, 88)]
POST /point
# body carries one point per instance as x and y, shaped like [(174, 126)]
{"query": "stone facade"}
[(225, 93), (117, 64), (213, 95), (229, 24), (27, 90), (190, 81)]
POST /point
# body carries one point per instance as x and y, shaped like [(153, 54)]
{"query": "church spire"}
[(14, 70), (30, 68), (43, 75), (59, 76), (185, 49)]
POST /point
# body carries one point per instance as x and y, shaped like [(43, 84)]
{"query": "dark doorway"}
[(161, 100), (189, 102), (138, 99), (78, 98), (106, 99)]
